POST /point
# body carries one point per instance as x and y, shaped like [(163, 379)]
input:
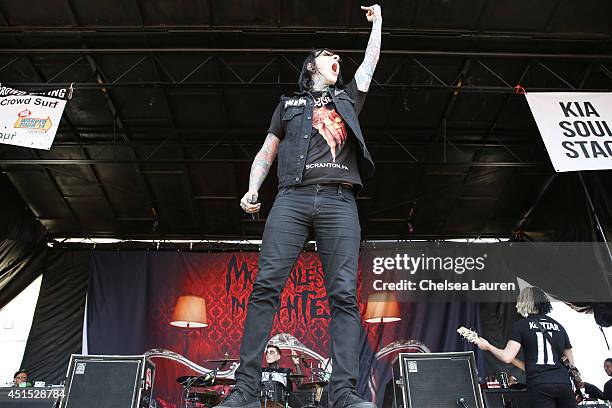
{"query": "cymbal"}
[(313, 384), (222, 360), (195, 381), (204, 381), (302, 357)]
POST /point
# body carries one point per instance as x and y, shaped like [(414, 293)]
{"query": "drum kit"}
[(206, 390), (275, 388)]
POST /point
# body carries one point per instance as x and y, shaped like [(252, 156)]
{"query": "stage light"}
[(189, 312), (382, 307)]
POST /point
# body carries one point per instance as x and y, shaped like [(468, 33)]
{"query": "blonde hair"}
[(532, 300)]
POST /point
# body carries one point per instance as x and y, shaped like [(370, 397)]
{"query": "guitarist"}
[(545, 343)]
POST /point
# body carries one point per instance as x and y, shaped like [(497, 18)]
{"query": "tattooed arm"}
[(364, 73), (259, 171)]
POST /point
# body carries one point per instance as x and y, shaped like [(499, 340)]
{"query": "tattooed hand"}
[(373, 13), (259, 171), (364, 73), (247, 202)]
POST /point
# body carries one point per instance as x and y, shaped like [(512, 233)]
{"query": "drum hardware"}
[(315, 383), (204, 381), (312, 384), (274, 389), (208, 397), (222, 360)]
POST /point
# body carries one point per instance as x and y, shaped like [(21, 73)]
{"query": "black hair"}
[(608, 360), (541, 301), (22, 371), (274, 347), (533, 300), (305, 82)]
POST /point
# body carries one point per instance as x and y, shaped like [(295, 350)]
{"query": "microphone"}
[(253, 200), (461, 402)]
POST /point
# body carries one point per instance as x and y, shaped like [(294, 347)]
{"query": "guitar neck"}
[(518, 364), (473, 337)]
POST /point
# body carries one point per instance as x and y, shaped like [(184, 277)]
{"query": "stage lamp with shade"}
[(382, 307), (190, 313)]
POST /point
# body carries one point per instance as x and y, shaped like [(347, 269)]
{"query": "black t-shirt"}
[(595, 392), (332, 149), (542, 362)]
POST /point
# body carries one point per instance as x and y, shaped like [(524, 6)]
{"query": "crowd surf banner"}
[(576, 128), (31, 119)]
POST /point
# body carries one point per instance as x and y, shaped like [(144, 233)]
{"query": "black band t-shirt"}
[(332, 149), (542, 360)]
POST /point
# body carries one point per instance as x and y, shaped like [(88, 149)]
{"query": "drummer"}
[(273, 356)]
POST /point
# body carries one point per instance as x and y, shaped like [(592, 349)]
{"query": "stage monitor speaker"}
[(507, 398), (108, 382), (436, 380)]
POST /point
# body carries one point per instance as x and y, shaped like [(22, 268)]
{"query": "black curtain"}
[(22, 244), (20, 265), (57, 327), (564, 215), (496, 321)]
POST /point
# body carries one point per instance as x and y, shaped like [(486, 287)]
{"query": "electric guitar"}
[(473, 337)]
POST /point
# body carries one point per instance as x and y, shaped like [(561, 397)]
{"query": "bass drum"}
[(273, 395)]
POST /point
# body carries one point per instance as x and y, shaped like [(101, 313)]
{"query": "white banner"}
[(31, 119), (576, 128)]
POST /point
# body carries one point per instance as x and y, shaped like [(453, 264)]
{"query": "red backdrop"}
[(225, 282)]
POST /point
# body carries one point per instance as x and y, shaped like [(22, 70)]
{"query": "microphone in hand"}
[(253, 200)]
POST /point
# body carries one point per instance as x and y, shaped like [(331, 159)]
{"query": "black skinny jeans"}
[(332, 212), (552, 396)]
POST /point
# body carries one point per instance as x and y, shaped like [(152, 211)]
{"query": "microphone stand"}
[(211, 376), (216, 370)]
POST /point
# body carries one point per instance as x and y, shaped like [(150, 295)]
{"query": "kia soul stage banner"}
[(576, 128), (31, 119)]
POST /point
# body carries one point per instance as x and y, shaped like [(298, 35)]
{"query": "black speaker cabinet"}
[(436, 380), (108, 382), (507, 398)]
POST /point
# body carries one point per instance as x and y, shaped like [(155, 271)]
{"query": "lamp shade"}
[(382, 308), (190, 311)]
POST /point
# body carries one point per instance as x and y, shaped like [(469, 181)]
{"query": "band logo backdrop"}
[(132, 297), (31, 119), (576, 128)]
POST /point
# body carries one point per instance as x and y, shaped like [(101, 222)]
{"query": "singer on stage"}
[(322, 162)]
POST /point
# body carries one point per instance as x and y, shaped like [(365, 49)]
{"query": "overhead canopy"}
[(172, 101)]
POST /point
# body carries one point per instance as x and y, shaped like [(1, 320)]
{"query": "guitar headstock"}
[(469, 335)]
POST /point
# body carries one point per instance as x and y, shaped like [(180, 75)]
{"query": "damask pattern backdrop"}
[(132, 295)]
